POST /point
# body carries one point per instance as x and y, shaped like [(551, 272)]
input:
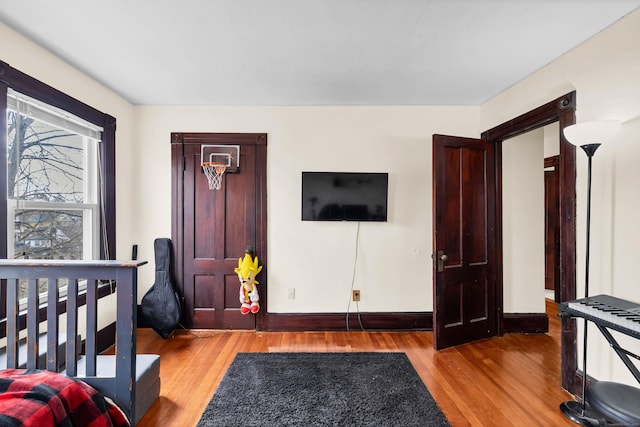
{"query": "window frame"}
[(33, 88), (88, 208)]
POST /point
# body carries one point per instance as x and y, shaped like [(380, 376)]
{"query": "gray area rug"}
[(322, 389)]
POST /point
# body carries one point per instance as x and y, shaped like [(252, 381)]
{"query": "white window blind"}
[(51, 115)]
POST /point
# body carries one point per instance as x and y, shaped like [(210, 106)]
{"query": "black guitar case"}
[(161, 308)]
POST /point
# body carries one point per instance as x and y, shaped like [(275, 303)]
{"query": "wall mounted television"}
[(344, 196)]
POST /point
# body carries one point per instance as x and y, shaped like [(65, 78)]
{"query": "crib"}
[(37, 338)]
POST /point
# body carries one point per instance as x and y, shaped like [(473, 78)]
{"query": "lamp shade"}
[(591, 132)]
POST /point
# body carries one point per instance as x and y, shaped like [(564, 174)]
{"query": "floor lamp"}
[(588, 136)]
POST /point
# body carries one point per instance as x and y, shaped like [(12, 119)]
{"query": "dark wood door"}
[(464, 194), (552, 228), (215, 227)]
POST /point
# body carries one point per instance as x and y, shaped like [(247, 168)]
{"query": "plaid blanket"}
[(43, 399)]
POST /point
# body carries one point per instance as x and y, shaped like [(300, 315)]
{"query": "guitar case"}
[(161, 308)]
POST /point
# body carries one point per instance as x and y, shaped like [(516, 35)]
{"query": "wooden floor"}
[(512, 380)]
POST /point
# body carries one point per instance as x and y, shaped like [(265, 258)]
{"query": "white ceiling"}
[(310, 52)]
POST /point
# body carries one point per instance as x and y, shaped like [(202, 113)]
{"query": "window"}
[(52, 183), (57, 197)]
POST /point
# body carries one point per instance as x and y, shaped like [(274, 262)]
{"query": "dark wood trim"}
[(106, 338), (552, 161), (562, 110), (177, 210), (261, 228), (499, 273), (295, 322), (567, 196), (218, 138), (526, 323), (29, 86), (534, 119)]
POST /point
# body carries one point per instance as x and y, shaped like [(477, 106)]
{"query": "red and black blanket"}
[(43, 399)]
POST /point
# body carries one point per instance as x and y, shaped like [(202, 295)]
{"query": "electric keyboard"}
[(611, 312)]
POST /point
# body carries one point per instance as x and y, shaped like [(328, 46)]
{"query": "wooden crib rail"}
[(121, 388)]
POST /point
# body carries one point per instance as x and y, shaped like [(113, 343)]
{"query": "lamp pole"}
[(579, 413), (588, 136), (590, 149)]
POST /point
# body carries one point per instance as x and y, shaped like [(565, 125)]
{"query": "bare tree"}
[(45, 164)]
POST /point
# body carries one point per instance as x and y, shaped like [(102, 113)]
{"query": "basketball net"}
[(214, 172)]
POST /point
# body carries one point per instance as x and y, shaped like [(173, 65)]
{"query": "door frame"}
[(259, 140), (553, 162), (563, 111)]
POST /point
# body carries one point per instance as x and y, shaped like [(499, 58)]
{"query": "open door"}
[(464, 240)]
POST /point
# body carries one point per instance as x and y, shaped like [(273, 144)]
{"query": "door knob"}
[(442, 258)]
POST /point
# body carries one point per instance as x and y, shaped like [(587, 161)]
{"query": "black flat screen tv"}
[(344, 196)]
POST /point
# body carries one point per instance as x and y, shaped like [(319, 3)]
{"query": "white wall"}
[(394, 271), (316, 258), (22, 54), (523, 223), (604, 71), (35, 61)]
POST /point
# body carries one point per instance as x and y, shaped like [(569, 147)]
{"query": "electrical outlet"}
[(355, 295), (292, 293)]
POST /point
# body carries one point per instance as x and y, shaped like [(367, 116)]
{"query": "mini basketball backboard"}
[(216, 160), (229, 155)]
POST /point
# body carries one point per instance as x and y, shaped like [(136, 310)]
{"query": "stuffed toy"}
[(247, 270)]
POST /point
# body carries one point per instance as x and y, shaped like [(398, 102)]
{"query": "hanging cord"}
[(353, 281), (17, 141), (102, 213)]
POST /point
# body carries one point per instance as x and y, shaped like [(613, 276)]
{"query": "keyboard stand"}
[(621, 352), (617, 402)]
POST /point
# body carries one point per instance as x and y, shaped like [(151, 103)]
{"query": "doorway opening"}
[(562, 111), (552, 228)]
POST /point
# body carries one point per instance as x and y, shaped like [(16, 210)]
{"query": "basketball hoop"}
[(214, 172)]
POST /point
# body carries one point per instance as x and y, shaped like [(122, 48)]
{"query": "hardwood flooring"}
[(513, 380)]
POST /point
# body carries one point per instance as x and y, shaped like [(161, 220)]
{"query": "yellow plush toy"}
[(247, 271)]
